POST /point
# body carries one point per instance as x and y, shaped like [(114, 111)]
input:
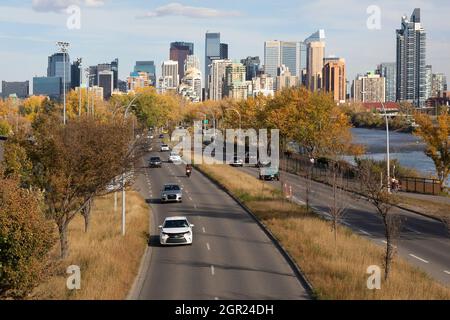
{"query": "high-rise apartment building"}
[(217, 79), (335, 78), (388, 70), (169, 70), (20, 90), (438, 85), (179, 51), (428, 81), (411, 60), (192, 62), (369, 88)]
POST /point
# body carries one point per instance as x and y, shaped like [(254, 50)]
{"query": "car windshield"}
[(176, 224), (164, 145), (155, 159), (171, 188)]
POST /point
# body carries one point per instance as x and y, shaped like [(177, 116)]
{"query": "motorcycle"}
[(188, 173)]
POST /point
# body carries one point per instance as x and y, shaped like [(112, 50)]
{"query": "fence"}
[(320, 171)]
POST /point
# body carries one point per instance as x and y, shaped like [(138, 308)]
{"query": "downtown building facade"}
[(169, 79), (149, 68), (214, 50), (236, 86), (217, 79), (369, 88), (388, 71), (179, 51), (411, 61), (18, 89), (335, 78)]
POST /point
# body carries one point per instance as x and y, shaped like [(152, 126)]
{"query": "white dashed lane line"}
[(447, 272), (418, 258), (208, 247), (364, 232), (212, 270)]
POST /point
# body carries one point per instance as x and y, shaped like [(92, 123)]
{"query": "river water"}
[(406, 148)]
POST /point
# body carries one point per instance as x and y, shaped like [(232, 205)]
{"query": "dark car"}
[(155, 162), (161, 136)]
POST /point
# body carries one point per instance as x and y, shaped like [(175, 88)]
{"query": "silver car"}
[(171, 193)]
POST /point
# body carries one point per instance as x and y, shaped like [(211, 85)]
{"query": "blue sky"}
[(142, 30)]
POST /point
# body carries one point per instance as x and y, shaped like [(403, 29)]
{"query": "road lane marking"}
[(208, 247), (418, 258), (385, 242), (190, 198), (195, 206), (364, 232), (447, 272), (212, 270), (411, 229), (203, 229)]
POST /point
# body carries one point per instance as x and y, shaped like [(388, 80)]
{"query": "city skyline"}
[(31, 40)]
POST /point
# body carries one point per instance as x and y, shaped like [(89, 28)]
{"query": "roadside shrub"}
[(25, 240), (5, 128)]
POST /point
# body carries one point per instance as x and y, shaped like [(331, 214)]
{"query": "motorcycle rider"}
[(188, 169)]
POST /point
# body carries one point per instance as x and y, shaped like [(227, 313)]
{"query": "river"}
[(406, 148)]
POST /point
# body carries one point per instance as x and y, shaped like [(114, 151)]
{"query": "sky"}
[(143, 29)]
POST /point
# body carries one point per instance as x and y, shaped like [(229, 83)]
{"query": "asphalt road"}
[(231, 257), (424, 242)]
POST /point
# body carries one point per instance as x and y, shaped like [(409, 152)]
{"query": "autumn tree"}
[(26, 237), (371, 177), (436, 135), (72, 164)]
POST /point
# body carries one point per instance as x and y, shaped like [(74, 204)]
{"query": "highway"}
[(231, 257), (424, 242)]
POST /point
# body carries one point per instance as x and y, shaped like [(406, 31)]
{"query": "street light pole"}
[(80, 67), (64, 47), (388, 160)]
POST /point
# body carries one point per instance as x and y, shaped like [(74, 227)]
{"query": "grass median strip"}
[(337, 270), (108, 262)]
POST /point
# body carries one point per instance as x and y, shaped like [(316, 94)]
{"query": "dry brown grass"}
[(336, 270), (428, 207), (108, 261)]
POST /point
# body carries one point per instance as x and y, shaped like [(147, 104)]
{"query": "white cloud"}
[(177, 9), (61, 5)]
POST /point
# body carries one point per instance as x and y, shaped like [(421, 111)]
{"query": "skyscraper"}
[(148, 67), (335, 79), (217, 79), (179, 52), (223, 51), (169, 71), (314, 68), (389, 72), (56, 66), (191, 62), (252, 66), (278, 53), (212, 52), (428, 81), (411, 60), (235, 83), (301, 61), (106, 81), (112, 66), (285, 79), (76, 74)]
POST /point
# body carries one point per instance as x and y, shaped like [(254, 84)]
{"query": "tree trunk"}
[(63, 240), (388, 257), (86, 213)]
